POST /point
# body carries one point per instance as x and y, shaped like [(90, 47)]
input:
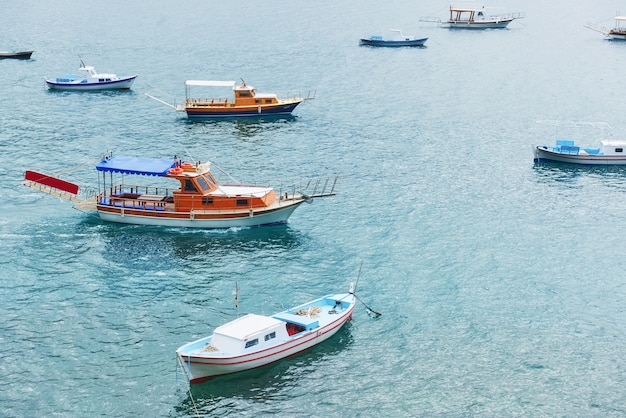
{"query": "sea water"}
[(500, 282)]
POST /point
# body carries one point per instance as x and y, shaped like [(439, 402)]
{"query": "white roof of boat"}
[(210, 83), (613, 142), (243, 327), (620, 17)]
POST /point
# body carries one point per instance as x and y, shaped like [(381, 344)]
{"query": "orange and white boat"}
[(196, 201), (247, 102)]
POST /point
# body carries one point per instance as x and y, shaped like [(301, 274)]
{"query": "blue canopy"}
[(136, 165)]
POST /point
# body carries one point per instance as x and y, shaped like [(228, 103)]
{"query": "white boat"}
[(253, 341), (609, 151), (617, 33), (474, 16), (91, 80)]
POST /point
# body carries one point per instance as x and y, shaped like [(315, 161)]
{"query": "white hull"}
[(479, 25), (542, 155), (122, 84), (202, 368), (276, 216)]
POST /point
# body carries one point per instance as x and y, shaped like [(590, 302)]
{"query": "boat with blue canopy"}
[(182, 194)]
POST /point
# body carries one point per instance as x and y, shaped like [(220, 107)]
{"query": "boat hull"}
[(121, 84), (545, 155), (218, 112), (500, 24), (206, 367), (198, 219), (21, 55), (391, 44)]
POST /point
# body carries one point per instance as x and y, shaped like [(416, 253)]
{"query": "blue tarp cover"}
[(136, 165)]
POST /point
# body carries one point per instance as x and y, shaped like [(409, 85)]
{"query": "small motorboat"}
[(253, 340), (91, 81), (19, 55), (246, 103), (195, 199), (398, 40)]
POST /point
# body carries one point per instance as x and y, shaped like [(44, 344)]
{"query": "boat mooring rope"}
[(182, 366)]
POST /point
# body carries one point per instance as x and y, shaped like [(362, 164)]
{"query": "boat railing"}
[(310, 188), (203, 102)]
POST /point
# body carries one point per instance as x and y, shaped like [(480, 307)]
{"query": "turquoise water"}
[(500, 283)]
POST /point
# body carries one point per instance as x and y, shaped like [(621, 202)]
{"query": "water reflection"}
[(242, 128), (232, 393), (132, 244), (571, 173)]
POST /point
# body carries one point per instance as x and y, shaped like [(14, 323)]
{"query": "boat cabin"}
[(244, 95), (612, 147), (249, 333), (198, 191)]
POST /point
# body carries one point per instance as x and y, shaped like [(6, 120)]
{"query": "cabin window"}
[(258, 101), (268, 100), (244, 93), (252, 343), (207, 201), (209, 179), (189, 186), (242, 202), (204, 185), (619, 149), (270, 336)]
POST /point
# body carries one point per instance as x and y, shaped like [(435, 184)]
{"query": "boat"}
[(91, 81), (193, 198), (475, 17), (247, 102), (253, 341), (617, 33), (398, 40), (608, 151), (20, 55)]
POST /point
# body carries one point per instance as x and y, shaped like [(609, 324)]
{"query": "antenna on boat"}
[(243, 81), (367, 308), (81, 60), (237, 298)]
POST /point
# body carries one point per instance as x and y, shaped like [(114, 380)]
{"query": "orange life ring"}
[(186, 165), (176, 170)]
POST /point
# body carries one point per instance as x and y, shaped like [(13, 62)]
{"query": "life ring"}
[(176, 170), (186, 166)]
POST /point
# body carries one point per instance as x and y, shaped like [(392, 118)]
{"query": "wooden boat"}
[(20, 55), (247, 102), (91, 81), (253, 341), (617, 33), (610, 152), (475, 17), (198, 201), (398, 40)]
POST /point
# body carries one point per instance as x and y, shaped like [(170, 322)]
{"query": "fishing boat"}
[(398, 40), (196, 200), (608, 152), (20, 55), (617, 33), (253, 340), (475, 17), (90, 81), (244, 103)]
